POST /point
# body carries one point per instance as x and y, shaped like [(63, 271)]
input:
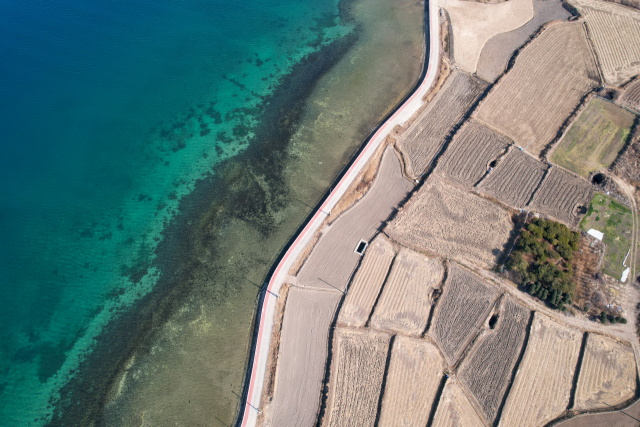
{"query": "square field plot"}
[(595, 138), (614, 220), (446, 220)]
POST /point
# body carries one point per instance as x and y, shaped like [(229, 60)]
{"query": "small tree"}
[(623, 321), (603, 318)]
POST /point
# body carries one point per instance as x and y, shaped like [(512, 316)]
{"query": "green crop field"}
[(595, 138), (615, 221)]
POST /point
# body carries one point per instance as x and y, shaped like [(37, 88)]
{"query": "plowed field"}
[(425, 136), (486, 370), (414, 376), (461, 310), (608, 374), (542, 387), (560, 194), (615, 33), (405, 301), (515, 179), (471, 150), (366, 285), (302, 356), (446, 220), (454, 409), (631, 96), (357, 372), (550, 77)]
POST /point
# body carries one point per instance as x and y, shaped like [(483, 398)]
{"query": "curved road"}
[(258, 365)]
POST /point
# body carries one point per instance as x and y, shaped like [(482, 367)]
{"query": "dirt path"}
[(334, 259)]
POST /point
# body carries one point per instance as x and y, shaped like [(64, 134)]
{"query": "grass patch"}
[(595, 138), (615, 221)]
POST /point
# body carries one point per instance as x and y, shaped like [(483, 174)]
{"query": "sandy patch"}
[(454, 408)]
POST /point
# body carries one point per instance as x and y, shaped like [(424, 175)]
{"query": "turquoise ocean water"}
[(110, 112)]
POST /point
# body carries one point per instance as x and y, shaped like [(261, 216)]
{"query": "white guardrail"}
[(261, 353)]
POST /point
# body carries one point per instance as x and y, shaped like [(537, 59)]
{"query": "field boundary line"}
[(577, 372), (263, 323), (367, 324)]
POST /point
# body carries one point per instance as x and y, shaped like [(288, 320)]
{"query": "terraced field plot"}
[(414, 376), (550, 77), (515, 179), (561, 195), (607, 376), (425, 136), (542, 387), (486, 370), (631, 96), (367, 282), (615, 32), (405, 301), (302, 356), (357, 372), (446, 220), (595, 138), (497, 52), (615, 221), (470, 152), (454, 409), (461, 310)]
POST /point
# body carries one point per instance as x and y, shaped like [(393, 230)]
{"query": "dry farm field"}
[(454, 408), (560, 196), (497, 52), (470, 153), (475, 23), (405, 301), (302, 356), (550, 77), (357, 371), (461, 310), (415, 372), (422, 140), (515, 179), (615, 33), (542, 387), (595, 138), (446, 220), (631, 96), (607, 376), (486, 370), (367, 282)]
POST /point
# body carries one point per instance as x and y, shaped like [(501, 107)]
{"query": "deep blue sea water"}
[(109, 112)]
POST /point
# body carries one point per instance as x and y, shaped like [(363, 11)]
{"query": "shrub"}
[(603, 318), (623, 321)]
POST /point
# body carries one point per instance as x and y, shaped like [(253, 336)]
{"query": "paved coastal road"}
[(249, 411)]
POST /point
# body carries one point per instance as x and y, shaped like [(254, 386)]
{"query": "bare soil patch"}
[(562, 196), (627, 165), (497, 52), (542, 387), (475, 23), (423, 139), (446, 220), (302, 356), (595, 138), (356, 377), (367, 282), (624, 418), (515, 179), (462, 309), (406, 299), (607, 376), (414, 376), (454, 408), (470, 153), (550, 77), (334, 259), (615, 33), (487, 369), (631, 96)]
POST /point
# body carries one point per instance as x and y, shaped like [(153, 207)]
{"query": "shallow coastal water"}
[(157, 157)]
